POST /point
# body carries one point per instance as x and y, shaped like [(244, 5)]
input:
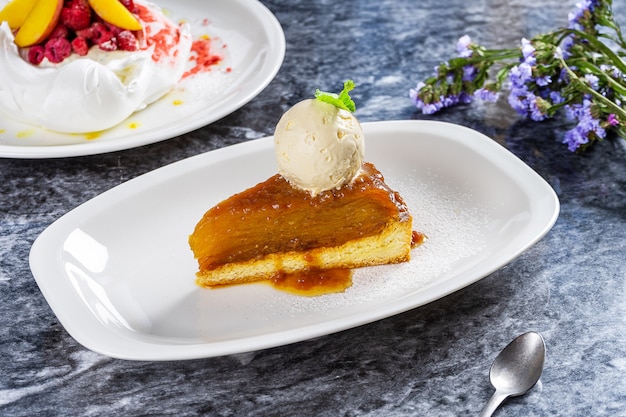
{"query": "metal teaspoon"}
[(516, 369)]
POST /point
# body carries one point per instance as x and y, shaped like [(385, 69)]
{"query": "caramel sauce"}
[(417, 238), (275, 217), (313, 282)]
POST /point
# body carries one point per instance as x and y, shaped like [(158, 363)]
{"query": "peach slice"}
[(115, 13), (39, 23), (15, 12)]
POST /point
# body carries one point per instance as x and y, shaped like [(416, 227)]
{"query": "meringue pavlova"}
[(78, 66)]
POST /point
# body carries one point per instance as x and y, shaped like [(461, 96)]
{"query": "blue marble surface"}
[(430, 361)]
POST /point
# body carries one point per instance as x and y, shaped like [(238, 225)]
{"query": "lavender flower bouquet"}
[(578, 70)]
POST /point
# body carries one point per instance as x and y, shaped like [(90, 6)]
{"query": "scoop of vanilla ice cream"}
[(318, 146)]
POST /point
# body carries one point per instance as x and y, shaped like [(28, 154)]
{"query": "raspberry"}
[(115, 30), (101, 33), (126, 41), (76, 15), (57, 50), (86, 33), (110, 45), (36, 54), (79, 28), (130, 5), (59, 31), (80, 46)]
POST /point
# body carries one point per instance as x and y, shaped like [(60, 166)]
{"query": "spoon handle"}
[(493, 403)]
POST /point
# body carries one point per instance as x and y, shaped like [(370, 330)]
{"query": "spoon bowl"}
[(516, 369)]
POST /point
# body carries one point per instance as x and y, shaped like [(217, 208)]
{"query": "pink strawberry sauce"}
[(166, 39)]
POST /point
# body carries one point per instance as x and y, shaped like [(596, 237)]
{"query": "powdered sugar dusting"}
[(452, 224)]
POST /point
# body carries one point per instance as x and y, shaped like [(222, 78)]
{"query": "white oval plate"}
[(118, 272), (255, 49)]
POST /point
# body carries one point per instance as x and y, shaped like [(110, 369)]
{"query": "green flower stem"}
[(610, 23), (601, 48), (489, 56), (585, 87), (593, 69)]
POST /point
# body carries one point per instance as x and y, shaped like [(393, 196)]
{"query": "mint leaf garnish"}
[(341, 100)]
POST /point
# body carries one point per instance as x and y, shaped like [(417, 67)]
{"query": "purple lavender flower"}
[(517, 99), (587, 127), (583, 8), (612, 70), (519, 94), (469, 73), (565, 48), (464, 98), (577, 18), (438, 103), (414, 94), (536, 107), (528, 104), (530, 95), (486, 94), (520, 74), (454, 99), (431, 108), (593, 81), (612, 120), (556, 97), (426, 108), (544, 77), (528, 52), (574, 138), (544, 81), (577, 111), (463, 46)]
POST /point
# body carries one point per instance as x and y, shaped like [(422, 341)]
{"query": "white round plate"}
[(254, 51), (119, 274)]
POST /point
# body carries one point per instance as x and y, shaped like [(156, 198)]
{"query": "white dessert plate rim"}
[(258, 38), (127, 291)]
